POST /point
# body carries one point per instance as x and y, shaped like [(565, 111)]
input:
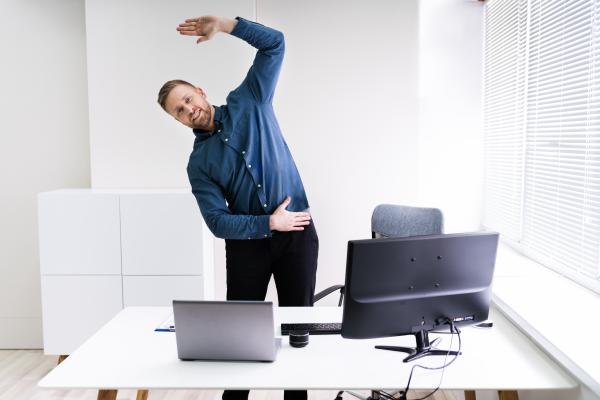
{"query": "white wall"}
[(133, 48), (347, 102), (43, 143), (450, 110)]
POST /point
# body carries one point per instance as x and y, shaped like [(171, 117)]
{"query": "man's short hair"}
[(166, 89)]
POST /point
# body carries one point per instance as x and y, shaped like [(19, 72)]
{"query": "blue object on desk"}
[(170, 329)]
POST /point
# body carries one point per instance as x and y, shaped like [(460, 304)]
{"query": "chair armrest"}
[(328, 291)]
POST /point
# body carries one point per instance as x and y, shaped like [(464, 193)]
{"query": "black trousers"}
[(291, 258)]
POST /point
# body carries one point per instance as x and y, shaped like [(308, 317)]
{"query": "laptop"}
[(225, 330)]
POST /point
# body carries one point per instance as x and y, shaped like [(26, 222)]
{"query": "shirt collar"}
[(202, 134)]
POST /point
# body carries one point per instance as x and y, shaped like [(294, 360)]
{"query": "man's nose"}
[(189, 109)]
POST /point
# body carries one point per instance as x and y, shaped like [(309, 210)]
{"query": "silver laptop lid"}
[(225, 330)]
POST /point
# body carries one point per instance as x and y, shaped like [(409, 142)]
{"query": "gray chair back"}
[(389, 220)]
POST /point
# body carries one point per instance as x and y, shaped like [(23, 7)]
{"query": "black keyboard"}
[(327, 328)]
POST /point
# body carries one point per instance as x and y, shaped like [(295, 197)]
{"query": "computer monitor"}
[(412, 285)]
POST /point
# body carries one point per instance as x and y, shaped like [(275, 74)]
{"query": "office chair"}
[(390, 220)]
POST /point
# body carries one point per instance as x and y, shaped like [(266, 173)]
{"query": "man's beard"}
[(202, 121)]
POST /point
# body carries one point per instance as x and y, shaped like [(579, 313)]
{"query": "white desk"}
[(127, 354)]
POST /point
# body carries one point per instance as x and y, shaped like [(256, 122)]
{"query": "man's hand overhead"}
[(206, 27)]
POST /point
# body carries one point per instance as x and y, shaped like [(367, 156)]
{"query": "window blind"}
[(553, 126), (504, 118)]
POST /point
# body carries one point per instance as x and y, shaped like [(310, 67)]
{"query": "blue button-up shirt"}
[(242, 171)]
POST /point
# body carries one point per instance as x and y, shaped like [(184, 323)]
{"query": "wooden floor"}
[(20, 370)]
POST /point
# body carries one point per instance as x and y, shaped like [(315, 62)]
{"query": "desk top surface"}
[(127, 354)]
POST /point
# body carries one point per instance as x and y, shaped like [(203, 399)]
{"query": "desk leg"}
[(470, 395), (508, 395), (142, 395), (104, 394)]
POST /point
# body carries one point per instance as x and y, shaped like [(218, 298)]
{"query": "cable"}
[(443, 367), (403, 394), (453, 329), (386, 395)]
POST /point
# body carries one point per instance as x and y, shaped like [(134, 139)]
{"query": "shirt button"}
[(266, 235), (249, 238), (259, 185), (243, 152), (249, 165), (226, 139), (265, 204)]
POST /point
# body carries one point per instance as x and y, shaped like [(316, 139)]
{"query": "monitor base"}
[(423, 349)]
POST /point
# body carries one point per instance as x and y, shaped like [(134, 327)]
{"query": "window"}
[(542, 131)]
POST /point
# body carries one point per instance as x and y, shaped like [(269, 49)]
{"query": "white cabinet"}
[(103, 250)]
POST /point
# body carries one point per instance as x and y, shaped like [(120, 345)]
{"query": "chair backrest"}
[(389, 220)]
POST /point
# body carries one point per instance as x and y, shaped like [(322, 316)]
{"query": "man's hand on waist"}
[(285, 221), (206, 27)]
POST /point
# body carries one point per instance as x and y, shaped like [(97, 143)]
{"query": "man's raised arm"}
[(264, 73)]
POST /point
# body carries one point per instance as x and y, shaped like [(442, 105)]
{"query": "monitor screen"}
[(412, 285)]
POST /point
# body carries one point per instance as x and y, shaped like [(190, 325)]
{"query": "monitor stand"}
[(424, 348)]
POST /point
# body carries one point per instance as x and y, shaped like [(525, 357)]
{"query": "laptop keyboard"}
[(327, 328)]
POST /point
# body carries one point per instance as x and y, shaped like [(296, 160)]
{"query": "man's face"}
[(188, 105)]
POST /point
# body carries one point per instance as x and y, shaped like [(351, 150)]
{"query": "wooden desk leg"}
[(62, 358), (470, 395), (104, 394), (508, 395), (142, 395)]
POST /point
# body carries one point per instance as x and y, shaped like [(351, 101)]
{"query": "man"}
[(244, 177)]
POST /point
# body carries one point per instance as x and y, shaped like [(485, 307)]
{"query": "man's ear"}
[(201, 92)]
